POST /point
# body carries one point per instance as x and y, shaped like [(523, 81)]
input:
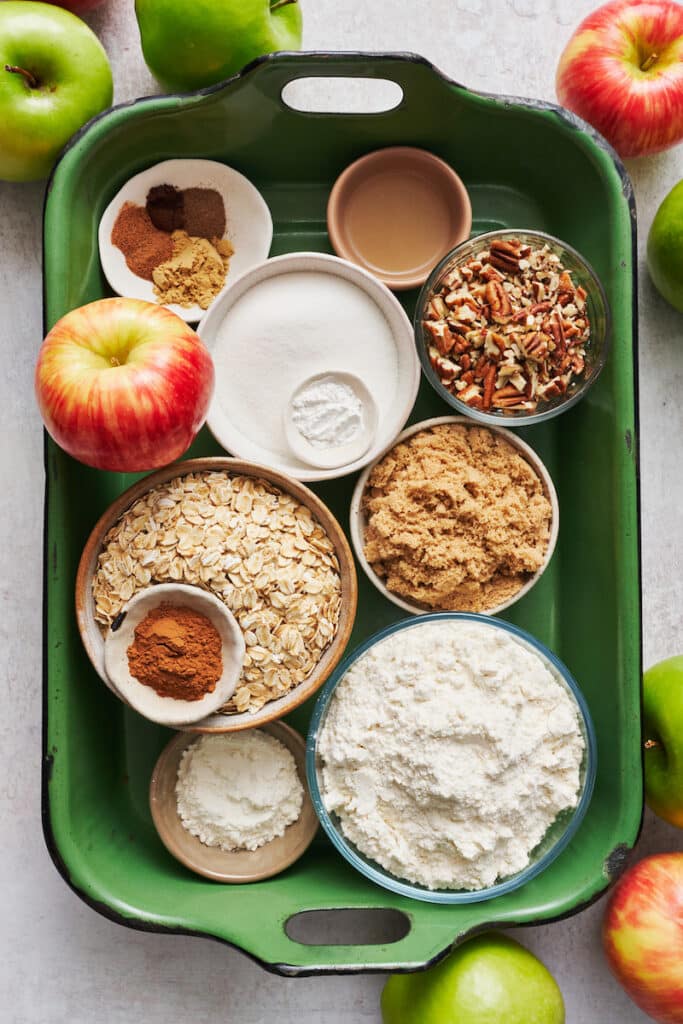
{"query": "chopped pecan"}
[(438, 308), (557, 331), (535, 345), (469, 394), (506, 397), (443, 338), (446, 369), (489, 387), (505, 255), (565, 284), (498, 302)]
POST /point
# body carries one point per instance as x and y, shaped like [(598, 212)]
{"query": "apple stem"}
[(651, 744), (649, 61), (114, 361), (31, 80), (281, 3)]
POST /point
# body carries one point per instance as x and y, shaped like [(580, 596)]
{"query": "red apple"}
[(123, 384), (622, 71), (643, 935), (77, 6)]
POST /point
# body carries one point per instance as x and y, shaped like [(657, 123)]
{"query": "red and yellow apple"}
[(123, 384), (622, 71), (77, 6), (643, 935)]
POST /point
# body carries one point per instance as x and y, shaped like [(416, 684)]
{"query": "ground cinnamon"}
[(177, 652), (143, 245)]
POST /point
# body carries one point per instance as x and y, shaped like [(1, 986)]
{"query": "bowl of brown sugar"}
[(455, 517), (180, 231)]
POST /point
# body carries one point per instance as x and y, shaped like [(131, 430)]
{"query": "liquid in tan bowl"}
[(396, 212)]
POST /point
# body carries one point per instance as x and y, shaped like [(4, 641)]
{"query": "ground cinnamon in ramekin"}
[(457, 519), (177, 652), (143, 245)]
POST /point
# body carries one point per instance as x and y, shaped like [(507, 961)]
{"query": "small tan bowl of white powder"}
[(234, 807), (451, 758)]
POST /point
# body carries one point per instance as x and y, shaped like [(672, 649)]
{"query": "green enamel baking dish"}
[(98, 755)]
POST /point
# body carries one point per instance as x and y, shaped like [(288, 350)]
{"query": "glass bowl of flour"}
[(451, 758)]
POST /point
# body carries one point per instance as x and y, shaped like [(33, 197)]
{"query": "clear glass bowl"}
[(558, 836), (596, 305)]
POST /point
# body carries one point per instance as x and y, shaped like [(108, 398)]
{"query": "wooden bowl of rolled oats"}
[(512, 327), (257, 539)]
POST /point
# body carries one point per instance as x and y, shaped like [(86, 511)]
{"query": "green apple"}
[(663, 729), (189, 45), (665, 248), (54, 76), (487, 980)]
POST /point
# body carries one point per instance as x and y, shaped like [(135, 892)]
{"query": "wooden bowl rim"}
[(275, 709)]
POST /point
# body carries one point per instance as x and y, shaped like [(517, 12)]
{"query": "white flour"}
[(238, 790), (448, 751), (291, 327), (328, 413)]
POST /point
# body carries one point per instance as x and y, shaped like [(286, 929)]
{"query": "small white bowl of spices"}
[(174, 654), (178, 232)]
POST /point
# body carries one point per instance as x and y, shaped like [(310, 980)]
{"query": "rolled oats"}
[(254, 546)]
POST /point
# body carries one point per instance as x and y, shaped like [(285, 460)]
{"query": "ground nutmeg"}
[(177, 652)]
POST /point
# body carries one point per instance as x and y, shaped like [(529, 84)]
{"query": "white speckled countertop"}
[(60, 963)]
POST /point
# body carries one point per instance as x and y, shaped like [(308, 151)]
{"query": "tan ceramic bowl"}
[(358, 521), (229, 865), (396, 212), (93, 640)]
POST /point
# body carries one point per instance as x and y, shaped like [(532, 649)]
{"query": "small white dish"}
[(335, 455), (358, 521), (249, 376), (145, 700), (249, 225)]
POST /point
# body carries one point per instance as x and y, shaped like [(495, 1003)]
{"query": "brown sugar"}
[(457, 519), (143, 245)]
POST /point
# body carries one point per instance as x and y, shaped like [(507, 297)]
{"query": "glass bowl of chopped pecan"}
[(514, 326)]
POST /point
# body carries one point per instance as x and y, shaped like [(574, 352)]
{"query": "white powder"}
[(328, 413), (290, 327), (448, 751), (238, 790)]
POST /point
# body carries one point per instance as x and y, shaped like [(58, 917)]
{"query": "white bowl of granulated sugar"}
[(284, 322)]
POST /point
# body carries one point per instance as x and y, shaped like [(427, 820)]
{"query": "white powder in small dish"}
[(328, 413), (448, 751), (238, 790)]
